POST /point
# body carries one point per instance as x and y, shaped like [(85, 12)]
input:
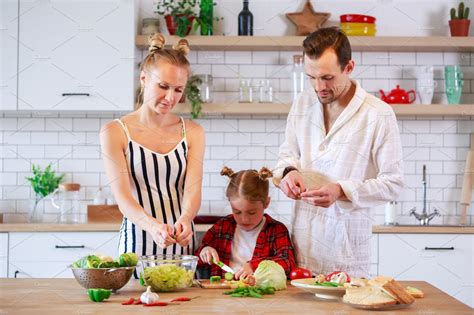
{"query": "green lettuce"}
[(270, 274), (168, 277)]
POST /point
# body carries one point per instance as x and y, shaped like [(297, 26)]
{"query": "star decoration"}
[(308, 21)]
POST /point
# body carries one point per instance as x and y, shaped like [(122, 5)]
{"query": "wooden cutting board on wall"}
[(104, 214)]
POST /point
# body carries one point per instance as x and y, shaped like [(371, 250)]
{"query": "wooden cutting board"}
[(104, 214), (206, 284)]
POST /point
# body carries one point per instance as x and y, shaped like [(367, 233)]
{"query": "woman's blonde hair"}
[(249, 184), (157, 52)]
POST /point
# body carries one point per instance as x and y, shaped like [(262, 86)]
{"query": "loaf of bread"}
[(368, 295)]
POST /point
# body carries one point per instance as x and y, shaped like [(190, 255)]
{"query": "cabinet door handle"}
[(439, 248), (16, 273), (70, 246), (76, 94)]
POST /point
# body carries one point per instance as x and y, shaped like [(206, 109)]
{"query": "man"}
[(341, 157)]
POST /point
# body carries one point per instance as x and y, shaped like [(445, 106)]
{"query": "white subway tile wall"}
[(71, 142)]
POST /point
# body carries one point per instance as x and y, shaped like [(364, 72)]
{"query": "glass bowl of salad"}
[(168, 273)]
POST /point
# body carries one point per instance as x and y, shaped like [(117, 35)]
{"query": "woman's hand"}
[(244, 272), (208, 254), (184, 232), (162, 234)]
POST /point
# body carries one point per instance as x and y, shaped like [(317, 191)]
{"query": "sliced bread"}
[(398, 292), (372, 296)]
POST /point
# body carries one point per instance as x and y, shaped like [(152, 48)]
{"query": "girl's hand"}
[(244, 272), (184, 232), (208, 254), (162, 234)]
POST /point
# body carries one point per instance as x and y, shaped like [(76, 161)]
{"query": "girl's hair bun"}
[(227, 171), (264, 173)]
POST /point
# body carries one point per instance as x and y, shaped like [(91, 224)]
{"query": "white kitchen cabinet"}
[(76, 55), (8, 54), (443, 260), (47, 254), (3, 255)]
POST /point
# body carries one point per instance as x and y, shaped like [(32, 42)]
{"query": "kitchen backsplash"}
[(71, 141)]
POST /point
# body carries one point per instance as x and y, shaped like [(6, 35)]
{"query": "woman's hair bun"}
[(264, 173), (182, 46), (156, 42), (227, 171)]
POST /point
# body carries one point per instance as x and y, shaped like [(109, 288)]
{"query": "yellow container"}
[(359, 29)]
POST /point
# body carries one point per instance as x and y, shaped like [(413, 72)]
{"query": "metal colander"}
[(105, 278)]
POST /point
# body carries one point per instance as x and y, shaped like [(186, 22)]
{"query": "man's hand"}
[(324, 196), (292, 185)]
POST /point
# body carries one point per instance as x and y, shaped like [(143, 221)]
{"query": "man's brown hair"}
[(334, 38)]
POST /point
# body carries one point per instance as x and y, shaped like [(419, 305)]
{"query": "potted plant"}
[(459, 24), (43, 183), (193, 94), (179, 15)]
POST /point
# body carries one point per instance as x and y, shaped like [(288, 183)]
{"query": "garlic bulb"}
[(148, 297)]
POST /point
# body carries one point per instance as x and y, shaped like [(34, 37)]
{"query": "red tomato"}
[(329, 276), (300, 273)]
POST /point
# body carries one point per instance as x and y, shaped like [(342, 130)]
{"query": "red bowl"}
[(357, 18)]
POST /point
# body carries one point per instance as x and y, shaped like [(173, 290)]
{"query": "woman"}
[(154, 158)]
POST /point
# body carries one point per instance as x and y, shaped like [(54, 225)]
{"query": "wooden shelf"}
[(262, 109), (292, 43)]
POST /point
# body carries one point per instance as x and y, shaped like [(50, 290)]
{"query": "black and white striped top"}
[(157, 182)]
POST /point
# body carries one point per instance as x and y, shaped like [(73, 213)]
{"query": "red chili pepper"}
[(156, 304), (129, 301), (137, 302)]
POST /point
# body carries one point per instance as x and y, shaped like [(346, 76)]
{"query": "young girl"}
[(153, 159), (247, 236)]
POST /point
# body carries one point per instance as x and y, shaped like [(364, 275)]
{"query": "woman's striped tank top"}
[(157, 182)]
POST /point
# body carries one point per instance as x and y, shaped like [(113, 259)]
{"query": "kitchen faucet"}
[(424, 218)]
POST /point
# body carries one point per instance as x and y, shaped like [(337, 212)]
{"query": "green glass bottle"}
[(207, 17)]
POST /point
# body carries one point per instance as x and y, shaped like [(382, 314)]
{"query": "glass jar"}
[(245, 91), (298, 76), (205, 88), (265, 92), (150, 26), (67, 200)]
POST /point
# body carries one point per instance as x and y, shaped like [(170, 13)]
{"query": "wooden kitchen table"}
[(65, 296)]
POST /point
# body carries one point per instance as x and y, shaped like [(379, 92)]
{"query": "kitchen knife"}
[(224, 266)]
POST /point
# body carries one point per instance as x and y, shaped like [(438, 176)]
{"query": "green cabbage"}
[(270, 274), (99, 261), (90, 261), (128, 260), (168, 277)]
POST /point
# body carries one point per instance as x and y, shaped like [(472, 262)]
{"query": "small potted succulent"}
[(459, 24), (179, 15)]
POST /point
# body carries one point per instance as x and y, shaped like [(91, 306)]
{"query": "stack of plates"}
[(358, 25)]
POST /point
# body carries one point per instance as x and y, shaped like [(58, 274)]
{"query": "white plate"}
[(330, 293), (380, 307)]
